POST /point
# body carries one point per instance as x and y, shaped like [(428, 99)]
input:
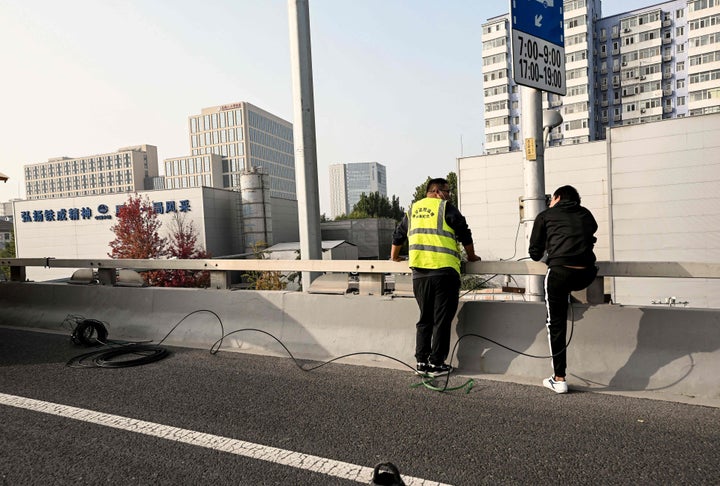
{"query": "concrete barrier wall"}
[(659, 352)]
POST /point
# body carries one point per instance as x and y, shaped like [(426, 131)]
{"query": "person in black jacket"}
[(563, 237)]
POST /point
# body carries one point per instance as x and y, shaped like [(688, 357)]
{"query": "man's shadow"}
[(665, 336)]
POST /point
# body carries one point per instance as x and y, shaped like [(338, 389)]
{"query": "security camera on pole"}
[(538, 53)]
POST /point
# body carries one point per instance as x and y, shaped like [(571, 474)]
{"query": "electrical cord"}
[(92, 332), (152, 353)]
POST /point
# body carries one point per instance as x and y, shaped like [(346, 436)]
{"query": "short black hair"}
[(567, 193), (434, 183)]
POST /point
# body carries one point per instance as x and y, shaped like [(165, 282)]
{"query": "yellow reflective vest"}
[(431, 241)]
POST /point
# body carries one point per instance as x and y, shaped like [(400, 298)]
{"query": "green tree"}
[(264, 280), (396, 211), (374, 205), (420, 191), (8, 252)]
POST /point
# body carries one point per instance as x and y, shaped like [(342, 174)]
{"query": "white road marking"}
[(299, 460)]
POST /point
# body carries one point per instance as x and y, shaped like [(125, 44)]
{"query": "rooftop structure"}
[(228, 139), (121, 171)]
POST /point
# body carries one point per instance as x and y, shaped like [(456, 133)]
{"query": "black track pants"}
[(559, 282), (437, 297)]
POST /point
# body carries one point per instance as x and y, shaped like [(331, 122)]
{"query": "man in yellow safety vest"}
[(433, 227)]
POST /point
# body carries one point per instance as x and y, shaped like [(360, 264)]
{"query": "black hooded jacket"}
[(566, 232)]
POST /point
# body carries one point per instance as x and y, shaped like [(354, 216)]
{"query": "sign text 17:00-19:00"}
[(539, 63)]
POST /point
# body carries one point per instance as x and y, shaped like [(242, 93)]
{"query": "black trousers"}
[(559, 282), (438, 298)]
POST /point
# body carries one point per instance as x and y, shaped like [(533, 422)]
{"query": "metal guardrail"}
[(371, 273), (606, 269)]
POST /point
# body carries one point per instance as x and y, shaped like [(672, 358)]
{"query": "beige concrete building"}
[(228, 139), (653, 189), (122, 171), (80, 227)]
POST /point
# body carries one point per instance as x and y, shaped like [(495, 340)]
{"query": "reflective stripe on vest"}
[(432, 242)]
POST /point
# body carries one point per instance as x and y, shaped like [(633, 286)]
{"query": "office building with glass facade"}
[(229, 139), (349, 181)]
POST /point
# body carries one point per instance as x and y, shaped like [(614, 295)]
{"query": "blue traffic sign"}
[(540, 18)]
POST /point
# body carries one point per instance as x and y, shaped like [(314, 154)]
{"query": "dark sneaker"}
[(422, 368), (439, 370)]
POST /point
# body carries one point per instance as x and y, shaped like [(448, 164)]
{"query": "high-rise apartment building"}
[(349, 181), (229, 139), (653, 63), (123, 171)]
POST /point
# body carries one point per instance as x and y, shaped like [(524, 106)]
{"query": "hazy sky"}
[(396, 81)]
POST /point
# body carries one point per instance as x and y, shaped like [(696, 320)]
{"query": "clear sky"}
[(396, 81)]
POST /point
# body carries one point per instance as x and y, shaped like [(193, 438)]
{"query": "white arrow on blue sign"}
[(540, 18)]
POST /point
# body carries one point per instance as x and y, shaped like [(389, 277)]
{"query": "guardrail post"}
[(107, 276), (17, 274), (220, 280), (371, 283)]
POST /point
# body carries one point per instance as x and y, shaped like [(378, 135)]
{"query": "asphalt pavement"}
[(197, 418)]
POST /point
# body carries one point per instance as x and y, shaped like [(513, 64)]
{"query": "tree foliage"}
[(420, 191), (264, 280), (8, 252), (137, 231), (137, 235), (374, 205), (182, 244)]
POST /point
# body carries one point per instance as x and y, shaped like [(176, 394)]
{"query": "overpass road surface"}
[(230, 418)]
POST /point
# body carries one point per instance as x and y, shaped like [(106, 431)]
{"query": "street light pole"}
[(304, 137), (533, 176)]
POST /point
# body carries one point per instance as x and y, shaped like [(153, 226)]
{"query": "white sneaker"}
[(556, 386)]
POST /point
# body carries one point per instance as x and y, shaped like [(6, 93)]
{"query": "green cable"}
[(428, 382)]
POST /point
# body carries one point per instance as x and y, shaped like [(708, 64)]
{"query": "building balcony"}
[(667, 109), (667, 92)]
